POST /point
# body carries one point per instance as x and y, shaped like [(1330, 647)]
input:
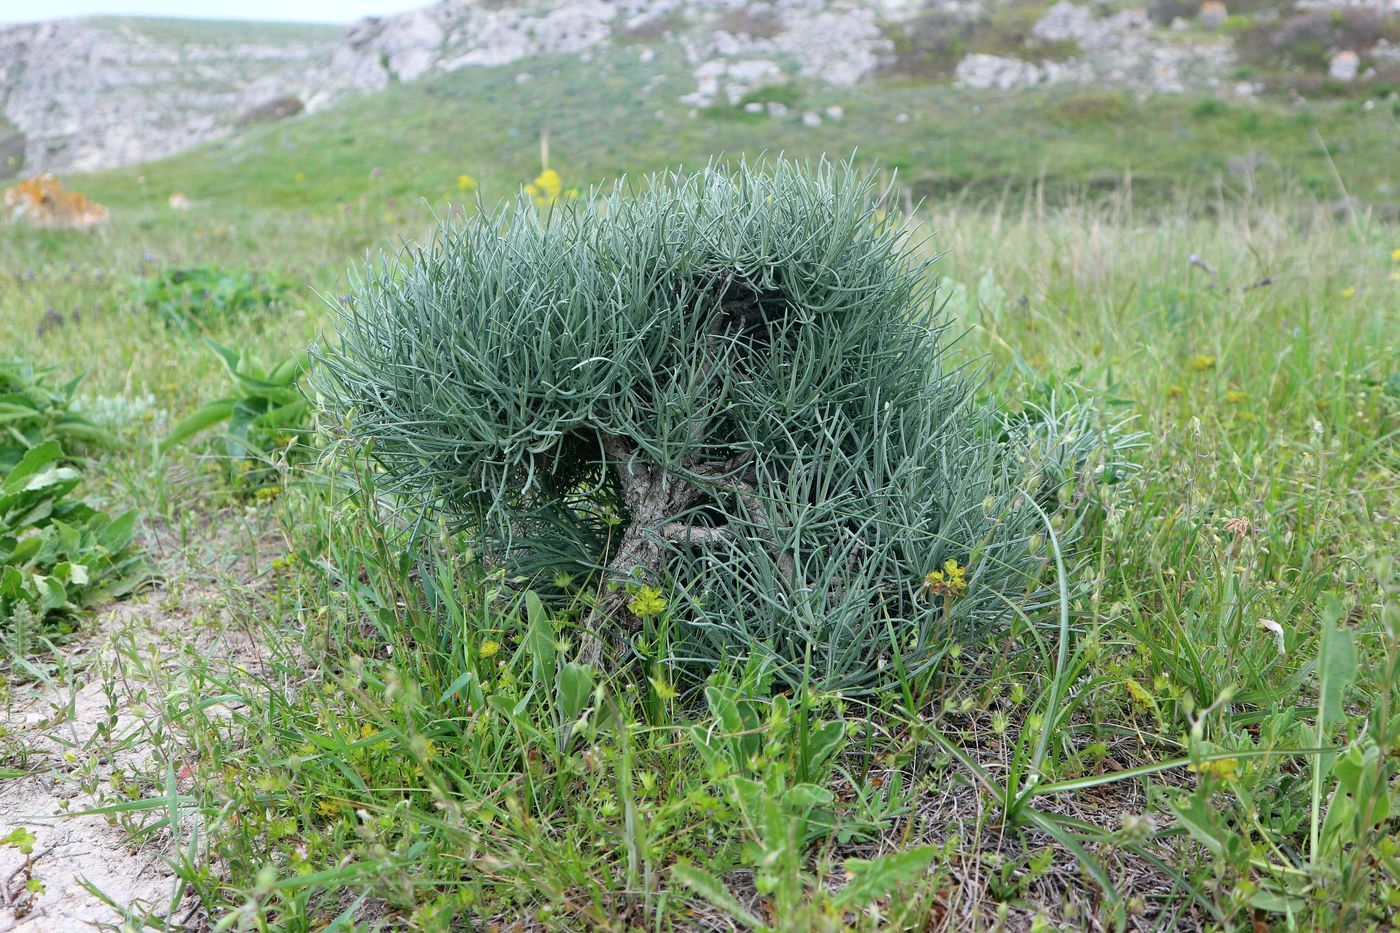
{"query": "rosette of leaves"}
[(189, 297), (261, 418), (59, 556), (34, 409), (732, 386)]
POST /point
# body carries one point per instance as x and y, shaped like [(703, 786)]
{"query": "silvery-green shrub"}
[(732, 386)]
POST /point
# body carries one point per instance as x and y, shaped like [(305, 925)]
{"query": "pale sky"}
[(311, 11)]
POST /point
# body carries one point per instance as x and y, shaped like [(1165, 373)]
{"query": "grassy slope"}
[(617, 114), (179, 32)]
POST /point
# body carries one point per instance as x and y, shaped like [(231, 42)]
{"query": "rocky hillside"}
[(90, 93), (94, 93)]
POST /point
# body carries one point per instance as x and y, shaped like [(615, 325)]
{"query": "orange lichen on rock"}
[(42, 201)]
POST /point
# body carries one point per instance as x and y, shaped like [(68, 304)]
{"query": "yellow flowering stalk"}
[(466, 183), (1202, 362)]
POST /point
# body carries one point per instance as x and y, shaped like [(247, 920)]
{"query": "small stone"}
[(811, 118), (1212, 14), (835, 112), (777, 110), (901, 118), (647, 55), (1344, 66), (753, 107)]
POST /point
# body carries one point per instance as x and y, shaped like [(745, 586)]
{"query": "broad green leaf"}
[(1336, 666), (575, 689), (539, 639), (200, 419), (716, 893), (872, 879), (119, 532), (807, 796), (34, 460)]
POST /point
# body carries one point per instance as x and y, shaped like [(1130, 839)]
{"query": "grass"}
[(1201, 731)]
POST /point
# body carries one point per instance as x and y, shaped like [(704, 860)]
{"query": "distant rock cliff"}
[(87, 94)]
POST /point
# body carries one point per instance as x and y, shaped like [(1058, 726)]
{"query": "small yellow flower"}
[(1395, 254), (1226, 769), (327, 808), (951, 581), (489, 649), (1140, 695), (549, 183), (647, 602), (1349, 292), (299, 177), (1235, 396), (1174, 391), (1201, 362), (466, 183)]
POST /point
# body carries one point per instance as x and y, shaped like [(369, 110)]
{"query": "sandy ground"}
[(71, 732), (58, 725)]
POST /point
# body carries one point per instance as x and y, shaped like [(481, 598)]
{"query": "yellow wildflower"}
[(299, 177), (1235, 396), (950, 581), (1140, 695), (466, 183), (1173, 391), (549, 183), (548, 187), (648, 602), (1395, 254), (1202, 362), (489, 649), (1349, 292), (1226, 769)]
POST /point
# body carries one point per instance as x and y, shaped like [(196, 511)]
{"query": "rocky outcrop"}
[(834, 42), (43, 202), (88, 94), (1124, 50)]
